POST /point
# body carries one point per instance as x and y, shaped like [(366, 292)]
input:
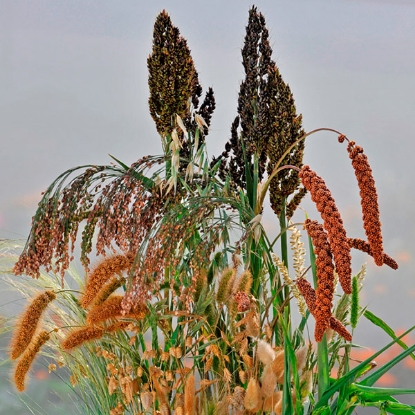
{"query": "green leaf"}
[(355, 373), (290, 362), (382, 393), (386, 328), (370, 380)]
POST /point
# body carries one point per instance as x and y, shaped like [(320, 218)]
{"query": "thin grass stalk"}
[(277, 167), (284, 258)]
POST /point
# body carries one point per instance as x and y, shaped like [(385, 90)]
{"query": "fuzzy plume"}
[(265, 352), (26, 360), (253, 395), (102, 273), (28, 322), (81, 335), (111, 308), (190, 396)]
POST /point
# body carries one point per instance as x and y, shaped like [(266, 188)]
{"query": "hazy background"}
[(73, 88)]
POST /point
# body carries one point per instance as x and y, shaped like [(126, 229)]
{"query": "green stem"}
[(284, 258)]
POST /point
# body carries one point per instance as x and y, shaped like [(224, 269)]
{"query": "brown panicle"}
[(333, 224), (363, 246), (105, 269), (369, 200), (27, 359), (325, 276), (28, 322), (310, 297)]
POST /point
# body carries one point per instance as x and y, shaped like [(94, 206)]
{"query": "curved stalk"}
[(277, 169)]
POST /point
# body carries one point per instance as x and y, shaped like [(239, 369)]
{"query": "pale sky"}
[(73, 83)]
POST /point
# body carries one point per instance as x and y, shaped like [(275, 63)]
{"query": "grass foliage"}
[(193, 306)]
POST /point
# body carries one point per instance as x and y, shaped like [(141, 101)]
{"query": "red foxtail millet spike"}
[(27, 359), (28, 322), (369, 200), (81, 335), (325, 276), (363, 246), (310, 297), (111, 308), (102, 273), (333, 224)]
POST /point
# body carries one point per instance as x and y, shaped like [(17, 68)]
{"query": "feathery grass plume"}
[(102, 272), (112, 308), (236, 401), (28, 322), (201, 281), (81, 335), (306, 385), (288, 281), (27, 358), (297, 247), (265, 352), (268, 381), (301, 356), (190, 396), (225, 285), (252, 324), (146, 400), (325, 277), (277, 365), (363, 246), (354, 306), (271, 401), (333, 224), (164, 409), (310, 297), (253, 395), (117, 326), (107, 290), (368, 200)]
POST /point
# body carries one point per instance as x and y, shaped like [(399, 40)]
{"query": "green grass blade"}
[(355, 373), (371, 379), (386, 328)]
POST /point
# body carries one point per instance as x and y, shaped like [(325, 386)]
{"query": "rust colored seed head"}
[(111, 308), (363, 246), (102, 273), (82, 335), (308, 292), (28, 323), (27, 359), (310, 297), (369, 200), (333, 224), (325, 276)]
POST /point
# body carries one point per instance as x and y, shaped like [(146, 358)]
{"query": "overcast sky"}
[(73, 82)]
